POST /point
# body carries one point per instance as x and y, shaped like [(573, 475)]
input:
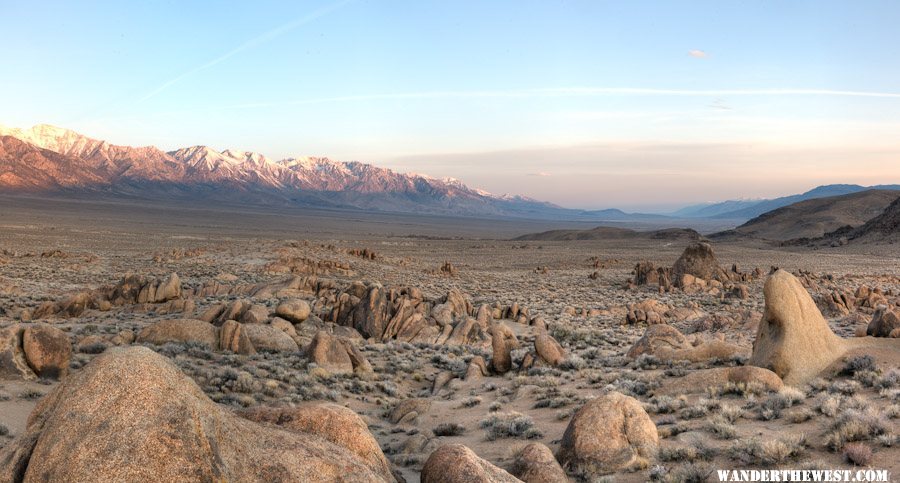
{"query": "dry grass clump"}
[(754, 452), (510, 425), (858, 454)]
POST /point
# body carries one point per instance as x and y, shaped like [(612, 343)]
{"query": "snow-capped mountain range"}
[(49, 159)]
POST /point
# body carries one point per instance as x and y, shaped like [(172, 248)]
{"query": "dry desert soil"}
[(418, 391)]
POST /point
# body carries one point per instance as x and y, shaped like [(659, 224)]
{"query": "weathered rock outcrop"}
[(608, 434), (143, 420), (336, 354)]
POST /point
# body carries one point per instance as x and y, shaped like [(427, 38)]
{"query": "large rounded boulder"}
[(131, 415), (610, 433), (332, 422)]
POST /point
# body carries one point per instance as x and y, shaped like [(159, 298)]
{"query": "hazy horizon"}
[(644, 107)]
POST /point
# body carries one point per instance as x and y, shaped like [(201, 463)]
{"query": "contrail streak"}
[(254, 42)]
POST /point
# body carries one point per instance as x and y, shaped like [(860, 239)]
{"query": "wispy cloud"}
[(698, 54), (540, 173), (572, 92), (250, 44)]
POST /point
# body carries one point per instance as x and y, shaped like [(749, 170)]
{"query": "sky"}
[(641, 105)]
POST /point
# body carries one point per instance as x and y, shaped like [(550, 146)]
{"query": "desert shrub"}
[(766, 453), (731, 413), (3, 430), (470, 402), (510, 425), (690, 473), (673, 430), (855, 425), (857, 454), (848, 388), (721, 427), (697, 450), (828, 404), (449, 429), (31, 394), (772, 406), (858, 364), (889, 380), (665, 404), (800, 415), (495, 406)]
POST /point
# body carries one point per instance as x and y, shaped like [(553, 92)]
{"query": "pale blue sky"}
[(635, 104)]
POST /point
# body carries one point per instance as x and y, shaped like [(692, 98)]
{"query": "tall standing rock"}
[(793, 339), (369, 317), (503, 341)]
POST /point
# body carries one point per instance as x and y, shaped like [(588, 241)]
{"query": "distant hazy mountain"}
[(814, 218), (747, 209)]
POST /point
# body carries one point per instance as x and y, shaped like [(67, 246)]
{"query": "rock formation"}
[(454, 463), (793, 339)]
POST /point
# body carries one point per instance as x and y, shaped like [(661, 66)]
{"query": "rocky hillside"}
[(816, 217)]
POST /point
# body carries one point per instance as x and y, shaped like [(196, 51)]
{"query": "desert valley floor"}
[(426, 328)]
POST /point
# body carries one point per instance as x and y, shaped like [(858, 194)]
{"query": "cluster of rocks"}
[(696, 270), (130, 290), (364, 253), (176, 254), (447, 269)]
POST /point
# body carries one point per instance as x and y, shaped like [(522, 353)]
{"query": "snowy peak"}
[(74, 161)]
